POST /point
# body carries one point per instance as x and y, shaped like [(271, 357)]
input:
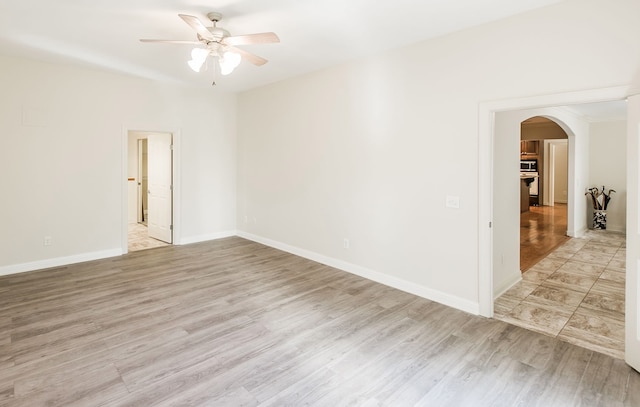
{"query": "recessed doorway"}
[(574, 291), (544, 157), (150, 190)]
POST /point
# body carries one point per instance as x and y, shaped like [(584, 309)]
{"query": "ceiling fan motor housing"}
[(215, 17), (218, 33)]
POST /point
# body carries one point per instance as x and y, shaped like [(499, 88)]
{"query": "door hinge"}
[(170, 227), (171, 147), (170, 187), (490, 224)]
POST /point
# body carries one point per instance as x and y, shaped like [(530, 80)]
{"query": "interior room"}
[(339, 203)]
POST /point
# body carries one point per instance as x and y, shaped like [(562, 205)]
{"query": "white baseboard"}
[(579, 233), (204, 238), (617, 228), (58, 261), (382, 278), (79, 258), (504, 287)]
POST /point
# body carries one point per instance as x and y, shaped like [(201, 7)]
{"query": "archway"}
[(579, 131), (506, 188), (544, 189), (487, 112)]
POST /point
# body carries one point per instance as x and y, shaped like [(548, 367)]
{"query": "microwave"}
[(529, 166)]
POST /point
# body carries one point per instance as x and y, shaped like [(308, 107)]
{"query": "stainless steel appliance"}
[(530, 168)]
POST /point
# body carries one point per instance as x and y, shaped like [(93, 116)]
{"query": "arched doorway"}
[(560, 295), (491, 243), (544, 158)]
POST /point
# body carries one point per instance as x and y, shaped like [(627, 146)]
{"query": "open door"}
[(159, 172), (632, 323)]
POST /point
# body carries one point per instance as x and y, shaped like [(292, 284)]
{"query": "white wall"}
[(62, 159), (608, 163), (369, 150)]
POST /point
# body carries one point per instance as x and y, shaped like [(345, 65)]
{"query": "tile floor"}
[(576, 294), (139, 238)]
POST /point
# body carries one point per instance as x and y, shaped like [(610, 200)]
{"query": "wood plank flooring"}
[(234, 323), (542, 230)]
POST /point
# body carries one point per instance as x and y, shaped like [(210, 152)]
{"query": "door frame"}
[(139, 208), (175, 174), (486, 116), (632, 323), (550, 171)]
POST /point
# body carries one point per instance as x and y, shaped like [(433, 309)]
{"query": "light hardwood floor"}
[(231, 323), (542, 230)]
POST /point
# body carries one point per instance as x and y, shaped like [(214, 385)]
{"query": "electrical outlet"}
[(48, 240), (345, 243)]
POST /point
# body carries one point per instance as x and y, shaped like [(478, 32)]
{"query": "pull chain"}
[(215, 70)]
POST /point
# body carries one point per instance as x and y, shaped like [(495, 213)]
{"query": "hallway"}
[(542, 229), (573, 289)]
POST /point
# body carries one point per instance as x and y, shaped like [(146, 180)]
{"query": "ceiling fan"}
[(218, 43)]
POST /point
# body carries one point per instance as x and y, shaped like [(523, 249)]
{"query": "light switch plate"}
[(453, 201)]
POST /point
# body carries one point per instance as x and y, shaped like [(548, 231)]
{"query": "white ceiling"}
[(314, 34)]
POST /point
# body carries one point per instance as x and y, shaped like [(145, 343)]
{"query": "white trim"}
[(209, 236), (400, 284), (486, 120), (176, 138), (58, 261), (508, 286), (486, 114)]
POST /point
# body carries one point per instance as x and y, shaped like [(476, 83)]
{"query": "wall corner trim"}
[(382, 278)]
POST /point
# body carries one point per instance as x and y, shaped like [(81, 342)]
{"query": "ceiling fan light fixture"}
[(198, 57), (218, 43), (228, 62)]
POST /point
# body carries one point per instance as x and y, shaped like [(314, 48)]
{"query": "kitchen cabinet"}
[(529, 147)]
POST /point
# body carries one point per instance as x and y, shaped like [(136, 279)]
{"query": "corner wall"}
[(370, 151), (62, 161)]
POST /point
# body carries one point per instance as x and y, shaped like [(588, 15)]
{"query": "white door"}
[(159, 162), (632, 324)]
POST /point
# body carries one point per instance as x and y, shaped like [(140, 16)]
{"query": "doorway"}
[(498, 237), (150, 190), (544, 158)]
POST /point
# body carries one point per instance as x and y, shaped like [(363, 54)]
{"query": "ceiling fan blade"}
[(261, 38), (197, 25), (171, 41), (254, 59)]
